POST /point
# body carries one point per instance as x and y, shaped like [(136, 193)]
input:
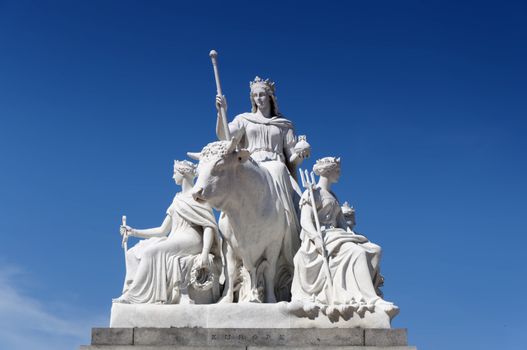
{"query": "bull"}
[(253, 222)]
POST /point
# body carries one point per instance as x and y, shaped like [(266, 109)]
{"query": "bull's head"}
[(217, 169)]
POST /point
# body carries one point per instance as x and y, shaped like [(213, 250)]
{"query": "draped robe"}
[(158, 268)]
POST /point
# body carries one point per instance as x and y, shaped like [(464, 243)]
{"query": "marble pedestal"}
[(240, 327), (242, 315), (247, 338)]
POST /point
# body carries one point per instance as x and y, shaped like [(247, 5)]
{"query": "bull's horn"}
[(232, 144), (194, 155)]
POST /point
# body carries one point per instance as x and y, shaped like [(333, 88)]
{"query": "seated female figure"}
[(160, 268), (334, 268)]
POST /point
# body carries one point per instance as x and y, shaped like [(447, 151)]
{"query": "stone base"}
[(244, 326), (242, 315), (172, 347), (247, 338)]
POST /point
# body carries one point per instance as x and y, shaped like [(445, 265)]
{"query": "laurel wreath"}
[(201, 278)]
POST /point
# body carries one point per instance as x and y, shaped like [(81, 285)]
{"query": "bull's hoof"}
[(228, 299), (255, 296), (255, 300)]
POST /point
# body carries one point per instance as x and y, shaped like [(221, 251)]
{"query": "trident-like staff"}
[(309, 184), (223, 114)]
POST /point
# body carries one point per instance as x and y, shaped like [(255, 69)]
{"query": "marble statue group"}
[(273, 242)]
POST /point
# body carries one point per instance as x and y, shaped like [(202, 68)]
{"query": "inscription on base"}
[(234, 338)]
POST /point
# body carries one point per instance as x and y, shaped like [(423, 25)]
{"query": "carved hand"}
[(302, 148), (125, 231), (319, 245), (204, 261), (221, 101), (299, 155), (305, 153)]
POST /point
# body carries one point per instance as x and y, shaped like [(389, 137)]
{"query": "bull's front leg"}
[(230, 272), (269, 274), (254, 296)]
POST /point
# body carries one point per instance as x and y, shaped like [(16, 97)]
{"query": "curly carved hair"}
[(185, 167), (214, 150), (326, 165)]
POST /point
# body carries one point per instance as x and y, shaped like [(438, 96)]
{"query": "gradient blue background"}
[(425, 101)]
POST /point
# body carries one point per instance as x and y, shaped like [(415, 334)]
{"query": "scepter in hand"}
[(309, 184), (124, 232), (223, 113)]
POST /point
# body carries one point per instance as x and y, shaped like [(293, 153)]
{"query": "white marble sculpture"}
[(335, 268), (254, 223), (273, 241), (180, 261), (270, 140)]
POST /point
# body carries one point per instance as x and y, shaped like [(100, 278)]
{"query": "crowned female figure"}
[(264, 131), (272, 142), (180, 260), (334, 267)]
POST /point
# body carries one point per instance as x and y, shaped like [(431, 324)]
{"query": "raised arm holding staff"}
[(270, 139), (222, 127)]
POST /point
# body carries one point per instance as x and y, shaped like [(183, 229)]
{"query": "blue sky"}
[(426, 103)]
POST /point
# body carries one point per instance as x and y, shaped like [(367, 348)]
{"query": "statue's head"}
[(217, 171), (263, 94), (328, 167), (183, 169)]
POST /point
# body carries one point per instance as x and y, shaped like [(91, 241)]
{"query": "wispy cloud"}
[(26, 323)]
